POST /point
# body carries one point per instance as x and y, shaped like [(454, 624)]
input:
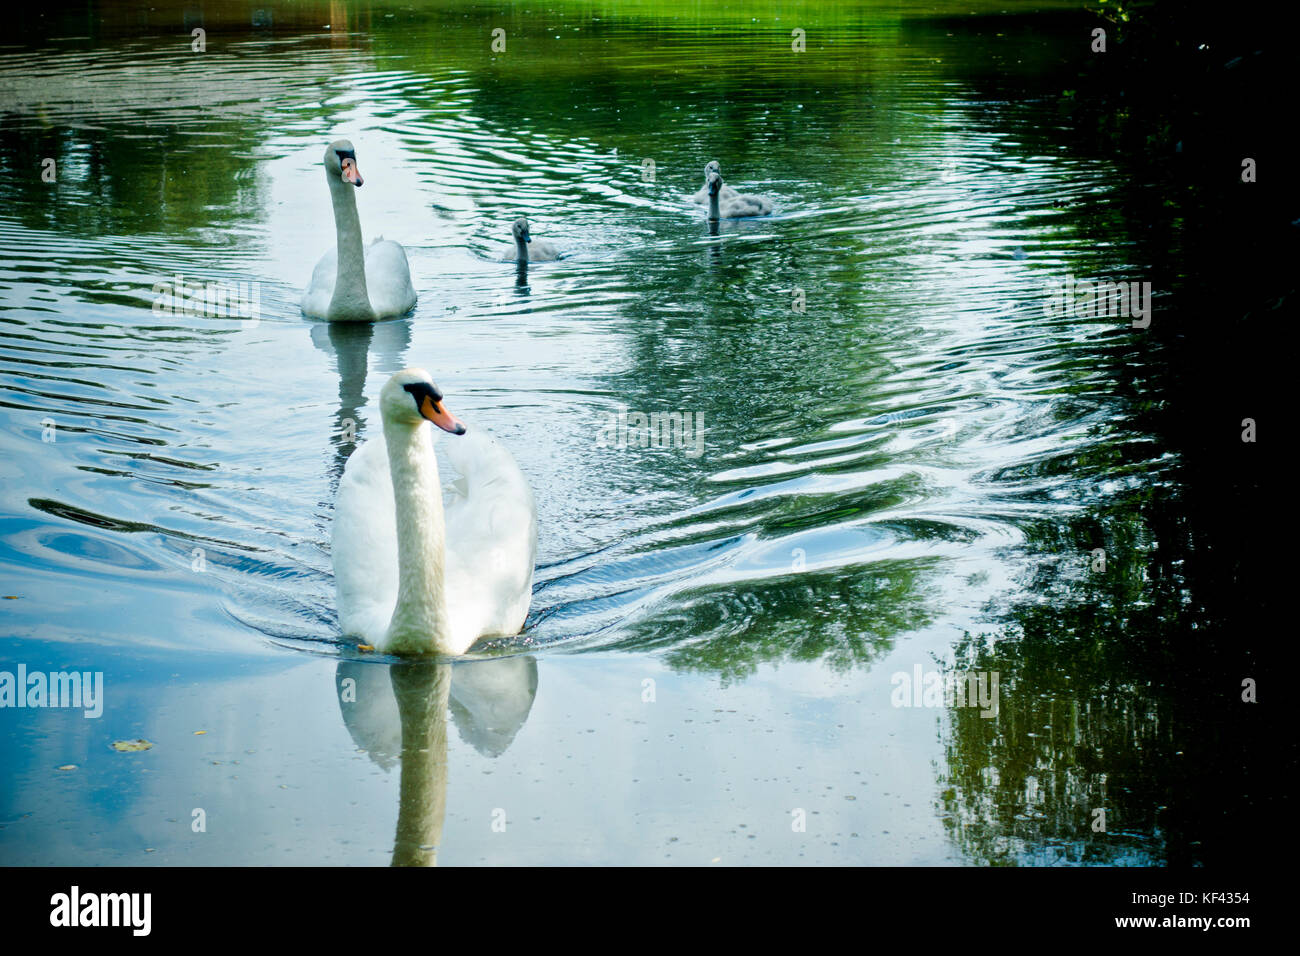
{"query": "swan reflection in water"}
[(350, 343), (397, 714)]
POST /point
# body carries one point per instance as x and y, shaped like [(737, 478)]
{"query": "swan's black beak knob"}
[(429, 401)]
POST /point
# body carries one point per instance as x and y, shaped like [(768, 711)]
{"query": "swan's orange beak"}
[(350, 172), (444, 419)]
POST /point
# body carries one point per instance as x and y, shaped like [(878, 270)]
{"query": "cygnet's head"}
[(712, 166), (341, 161), (411, 398), (520, 230), (715, 182)]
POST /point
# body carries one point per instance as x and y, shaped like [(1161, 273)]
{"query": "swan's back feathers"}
[(388, 281)]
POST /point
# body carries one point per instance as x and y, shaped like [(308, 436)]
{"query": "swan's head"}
[(520, 230), (712, 166), (715, 181), (341, 161), (411, 398)]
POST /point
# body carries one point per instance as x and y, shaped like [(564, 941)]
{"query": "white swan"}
[(525, 249), (702, 197), (738, 206), (352, 284), (414, 576)]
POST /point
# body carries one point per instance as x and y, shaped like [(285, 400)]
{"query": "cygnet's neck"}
[(351, 300), (713, 203), (521, 249), (420, 624)]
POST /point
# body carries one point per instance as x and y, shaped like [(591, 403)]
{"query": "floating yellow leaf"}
[(131, 746)]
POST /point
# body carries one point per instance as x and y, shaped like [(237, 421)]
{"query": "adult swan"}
[(352, 283), (414, 575)]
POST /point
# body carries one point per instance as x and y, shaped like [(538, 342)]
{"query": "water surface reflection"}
[(908, 468)]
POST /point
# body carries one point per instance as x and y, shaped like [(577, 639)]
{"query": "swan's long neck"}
[(521, 249), (351, 300), (713, 203), (419, 624)]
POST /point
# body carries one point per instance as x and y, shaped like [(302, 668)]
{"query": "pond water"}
[(897, 460)]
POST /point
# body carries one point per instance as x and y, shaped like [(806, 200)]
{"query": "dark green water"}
[(906, 461)]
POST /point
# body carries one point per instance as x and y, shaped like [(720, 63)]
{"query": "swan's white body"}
[(387, 283), (701, 198), (419, 573), (352, 283)]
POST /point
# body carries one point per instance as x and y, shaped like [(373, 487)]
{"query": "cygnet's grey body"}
[(526, 248), (702, 197), (737, 206)]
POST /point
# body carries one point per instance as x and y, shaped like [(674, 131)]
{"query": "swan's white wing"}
[(316, 297), (388, 279), (364, 544), (491, 538)]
